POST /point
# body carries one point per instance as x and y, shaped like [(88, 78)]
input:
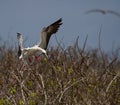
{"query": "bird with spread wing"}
[(103, 12), (46, 33)]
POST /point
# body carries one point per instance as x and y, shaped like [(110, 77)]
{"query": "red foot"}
[(37, 58)]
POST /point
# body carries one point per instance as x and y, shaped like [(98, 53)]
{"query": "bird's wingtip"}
[(60, 21)]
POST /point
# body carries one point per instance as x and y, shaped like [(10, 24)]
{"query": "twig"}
[(62, 92), (22, 92), (76, 47), (115, 77), (21, 81), (43, 86), (11, 99), (99, 44), (59, 42), (113, 61), (84, 44)]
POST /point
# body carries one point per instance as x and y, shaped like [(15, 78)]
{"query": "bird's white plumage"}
[(25, 52), (41, 47), (34, 48)]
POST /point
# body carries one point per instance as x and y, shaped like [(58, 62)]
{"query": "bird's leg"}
[(33, 59), (37, 57)]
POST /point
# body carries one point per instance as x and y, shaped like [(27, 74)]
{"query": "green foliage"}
[(73, 76), (8, 103), (29, 83), (70, 71), (31, 102), (12, 90), (21, 102), (58, 68), (2, 101), (44, 60), (33, 95)]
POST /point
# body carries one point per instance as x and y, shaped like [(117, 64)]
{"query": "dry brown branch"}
[(84, 45), (44, 91), (70, 79), (114, 78), (59, 42), (67, 87), (100, 48)]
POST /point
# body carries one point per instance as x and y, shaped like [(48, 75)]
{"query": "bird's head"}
[(19, 37)]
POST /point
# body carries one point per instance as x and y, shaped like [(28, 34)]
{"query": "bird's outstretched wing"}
[(114, 13), (104, 12), (96, 10), (47, 32)]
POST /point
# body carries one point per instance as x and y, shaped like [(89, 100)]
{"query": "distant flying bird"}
[(103, 12), (46, 33)]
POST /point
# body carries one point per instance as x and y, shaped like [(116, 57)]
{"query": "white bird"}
[(46, 33), (103, 12)]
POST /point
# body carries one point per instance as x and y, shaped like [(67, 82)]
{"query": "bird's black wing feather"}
[(48, 31)]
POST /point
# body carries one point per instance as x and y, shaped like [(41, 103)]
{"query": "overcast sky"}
[(29, 16)]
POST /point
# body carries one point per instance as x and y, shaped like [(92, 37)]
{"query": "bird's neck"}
[(19, 51), (19, 48), (20, 44)]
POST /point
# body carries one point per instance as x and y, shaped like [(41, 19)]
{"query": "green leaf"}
[(70, 70), (2, 101), (12, 90)]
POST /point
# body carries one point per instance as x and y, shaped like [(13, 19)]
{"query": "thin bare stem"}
[(66, 88), (83, 49), (59, 42), (43, 86), (109, 85), (22, 92), (99, 44)]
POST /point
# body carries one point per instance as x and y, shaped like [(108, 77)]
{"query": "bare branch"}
[(43, 86), (109, 85)]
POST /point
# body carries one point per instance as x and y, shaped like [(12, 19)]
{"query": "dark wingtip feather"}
[(49, 31), (53, 28), (57, 22)]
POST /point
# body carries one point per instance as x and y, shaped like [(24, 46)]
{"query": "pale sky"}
[(29, 16)]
